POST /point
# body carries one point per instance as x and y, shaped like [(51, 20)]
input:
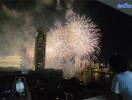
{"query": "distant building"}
[(40, 48)]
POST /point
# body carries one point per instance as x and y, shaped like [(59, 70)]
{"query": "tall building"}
[(40, 48)]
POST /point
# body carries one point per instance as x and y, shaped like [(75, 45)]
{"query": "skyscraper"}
[(40, 48)]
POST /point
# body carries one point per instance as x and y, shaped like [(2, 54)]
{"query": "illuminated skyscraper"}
[(40, 48)]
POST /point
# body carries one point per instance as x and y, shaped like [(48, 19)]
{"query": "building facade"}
[(40, 48)]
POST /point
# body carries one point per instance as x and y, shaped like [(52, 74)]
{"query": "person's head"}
[(118, 63)]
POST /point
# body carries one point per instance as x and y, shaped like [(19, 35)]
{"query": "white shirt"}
[(122, 84)]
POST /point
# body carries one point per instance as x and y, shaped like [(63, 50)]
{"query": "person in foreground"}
[(121, 88)]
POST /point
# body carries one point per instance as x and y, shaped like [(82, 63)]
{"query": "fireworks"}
[(84, 36), (79, 38)]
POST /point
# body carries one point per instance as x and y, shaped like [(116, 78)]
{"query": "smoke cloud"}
[(19, 21)]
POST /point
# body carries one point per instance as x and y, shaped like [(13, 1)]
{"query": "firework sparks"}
[(84, 36), (79, 38)]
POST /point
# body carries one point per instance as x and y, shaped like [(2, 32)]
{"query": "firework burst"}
[(84, 37), (79, 38)]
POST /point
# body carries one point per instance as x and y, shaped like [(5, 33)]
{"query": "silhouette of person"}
[(121, 88)]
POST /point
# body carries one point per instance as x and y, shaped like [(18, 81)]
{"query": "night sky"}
[(115, 26)]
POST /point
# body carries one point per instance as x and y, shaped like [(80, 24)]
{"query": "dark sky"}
[(116, 31), (116, 27)]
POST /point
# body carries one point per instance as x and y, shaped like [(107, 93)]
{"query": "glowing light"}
[(10, 61), (84, 37), (77, 39)]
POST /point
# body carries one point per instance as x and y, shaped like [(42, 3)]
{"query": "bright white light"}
[(77, 39)]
